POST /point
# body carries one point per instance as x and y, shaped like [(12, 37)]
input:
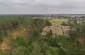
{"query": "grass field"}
[(55, 22)]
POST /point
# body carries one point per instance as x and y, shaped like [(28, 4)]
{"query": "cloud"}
[(41, 6)]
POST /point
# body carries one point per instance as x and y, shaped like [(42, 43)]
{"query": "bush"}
[(21, 41)]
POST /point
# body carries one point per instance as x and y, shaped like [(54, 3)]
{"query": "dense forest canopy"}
[(21, 35)]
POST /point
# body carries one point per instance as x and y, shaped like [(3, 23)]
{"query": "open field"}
[(55, 22)]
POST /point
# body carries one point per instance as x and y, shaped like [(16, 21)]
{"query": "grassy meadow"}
[(56, 21)]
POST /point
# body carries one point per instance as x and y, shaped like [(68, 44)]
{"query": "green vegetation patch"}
[(57, 21)]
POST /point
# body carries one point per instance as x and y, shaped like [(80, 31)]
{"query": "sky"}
[(42, 6)]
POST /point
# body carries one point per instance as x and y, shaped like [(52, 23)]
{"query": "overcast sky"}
[(42, 6)]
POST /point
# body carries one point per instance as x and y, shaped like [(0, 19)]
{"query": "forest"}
[(22, 35)]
